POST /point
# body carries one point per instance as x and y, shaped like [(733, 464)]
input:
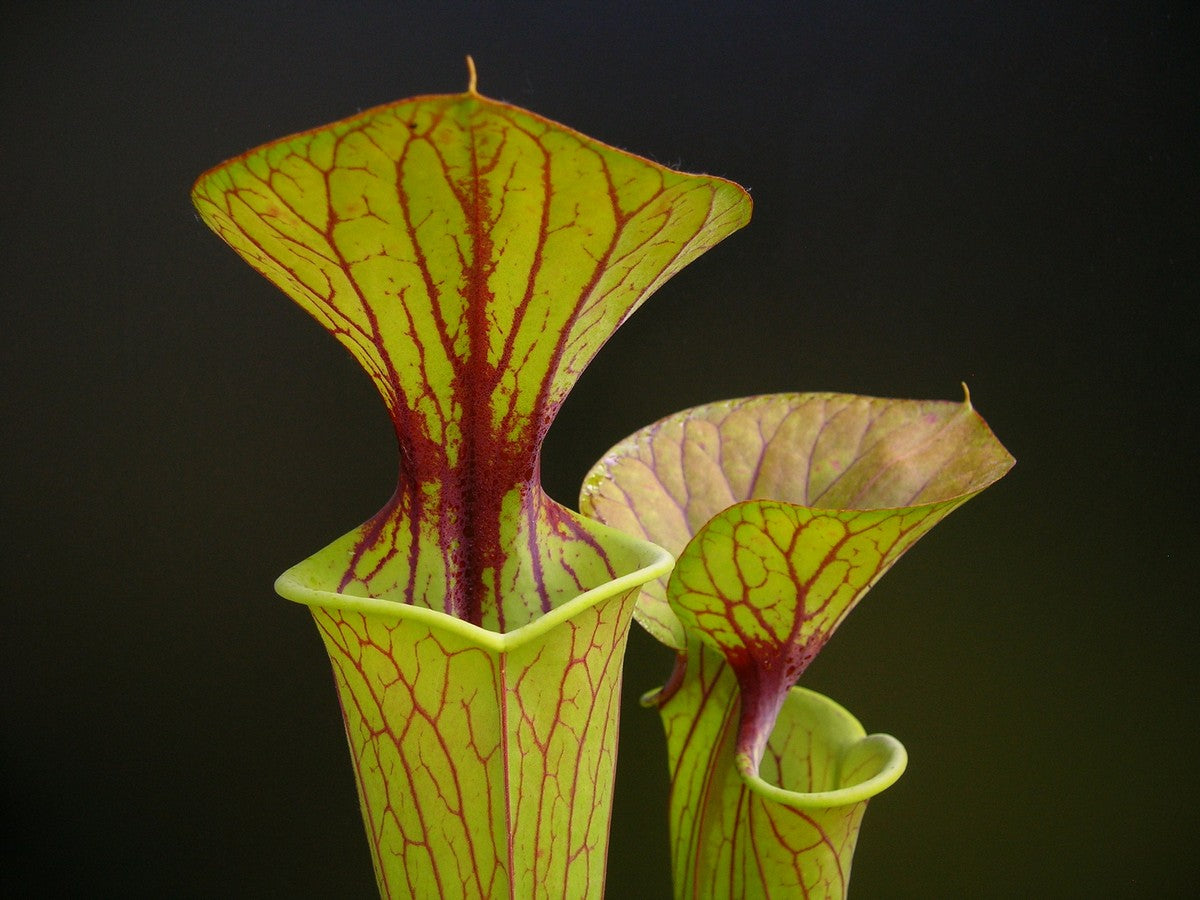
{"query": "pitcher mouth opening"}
[(864, 765), (313, 582)]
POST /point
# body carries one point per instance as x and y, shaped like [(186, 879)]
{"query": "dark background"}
[(992, 192)]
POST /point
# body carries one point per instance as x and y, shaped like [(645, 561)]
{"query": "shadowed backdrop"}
[(943, 192)]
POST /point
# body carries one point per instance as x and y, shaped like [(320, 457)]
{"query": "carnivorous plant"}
[(473, 257)]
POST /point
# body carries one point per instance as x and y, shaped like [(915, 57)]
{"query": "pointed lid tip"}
[(472, 78)]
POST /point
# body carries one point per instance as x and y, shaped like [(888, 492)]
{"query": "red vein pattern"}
[(473, 257), (820, 450), (784, 510), (484, 761), (482, 774), (789, 833), (767, 583)]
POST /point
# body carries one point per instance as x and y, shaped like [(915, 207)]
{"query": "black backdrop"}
[(998, 193)]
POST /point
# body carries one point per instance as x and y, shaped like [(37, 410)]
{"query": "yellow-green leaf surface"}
[(473, 257), (766, 583), (783, 511), (789, 831), (484, 761), (823, 451)]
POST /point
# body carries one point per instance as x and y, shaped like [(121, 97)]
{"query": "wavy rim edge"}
[(654, 562), (895, 761), (596, 474)]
